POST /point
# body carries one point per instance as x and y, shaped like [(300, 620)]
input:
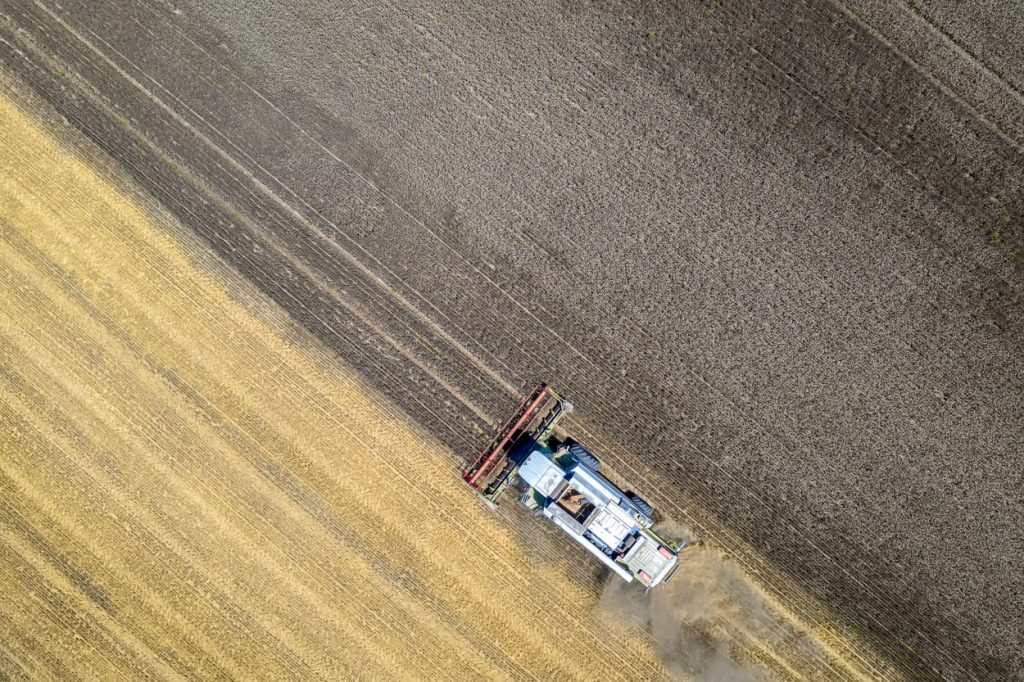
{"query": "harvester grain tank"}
[(560, 479)]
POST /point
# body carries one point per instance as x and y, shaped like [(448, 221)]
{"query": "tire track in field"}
[(287, 208), (908, 31), (259, 244)]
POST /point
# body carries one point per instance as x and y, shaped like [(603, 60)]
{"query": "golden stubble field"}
[(190, 487)]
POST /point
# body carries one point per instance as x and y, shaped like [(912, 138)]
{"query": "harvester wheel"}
[(584, 457), (642, 505)]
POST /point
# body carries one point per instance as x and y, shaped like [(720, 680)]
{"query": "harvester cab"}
[(560, 480)]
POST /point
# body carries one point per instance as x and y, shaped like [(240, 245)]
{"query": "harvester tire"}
[(584, 457), (642, 505)]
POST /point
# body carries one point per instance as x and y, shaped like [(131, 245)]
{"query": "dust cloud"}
[(710, 622)]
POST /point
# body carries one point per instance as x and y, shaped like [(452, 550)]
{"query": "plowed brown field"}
[(190, 486)]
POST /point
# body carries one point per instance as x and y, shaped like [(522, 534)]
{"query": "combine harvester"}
[(559, 479)]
